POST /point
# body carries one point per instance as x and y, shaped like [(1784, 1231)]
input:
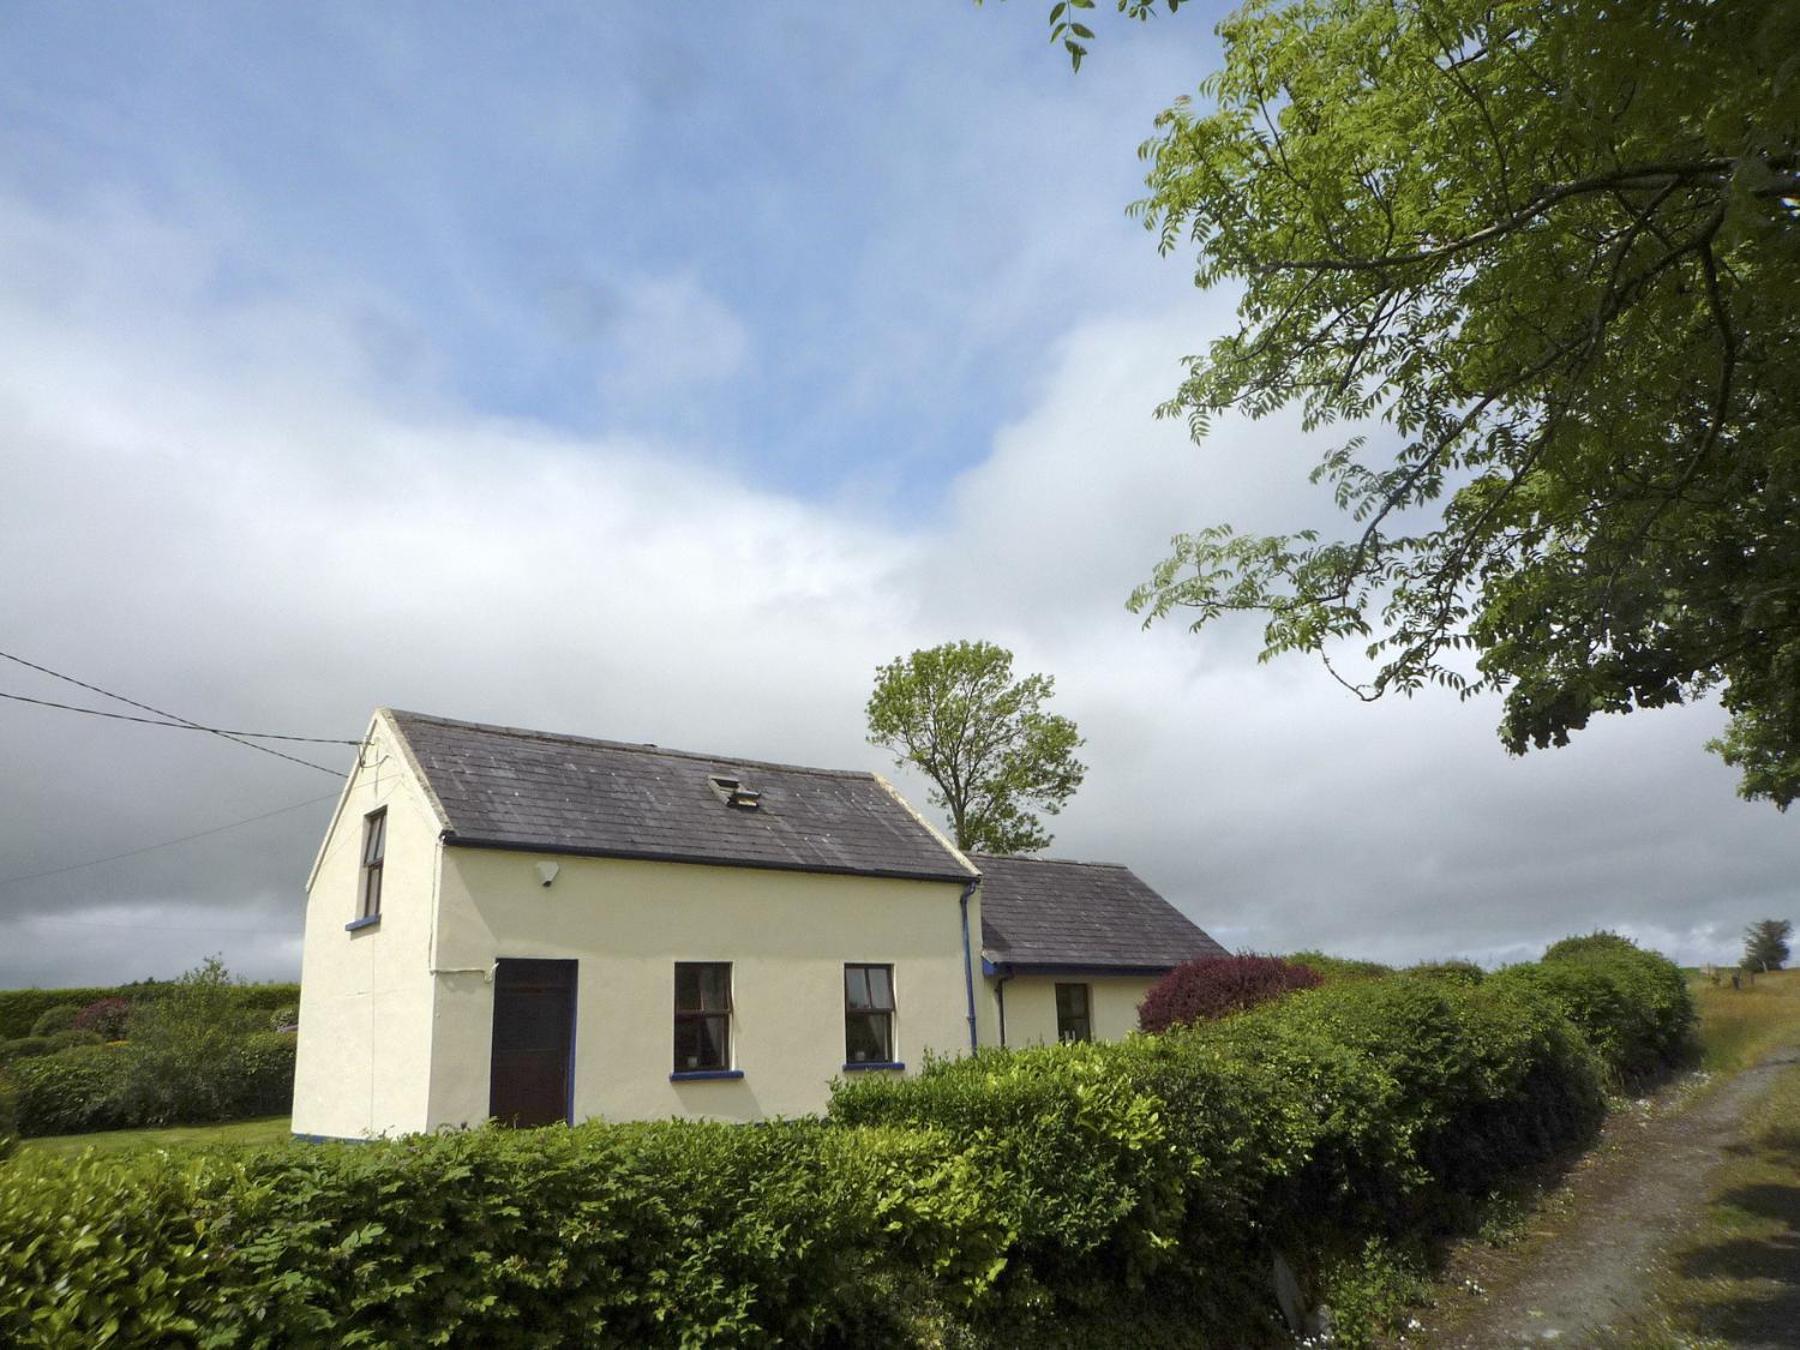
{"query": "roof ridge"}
[(639, 747), (1059, 862)]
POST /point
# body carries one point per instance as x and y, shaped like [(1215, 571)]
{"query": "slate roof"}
[(1086, 916), (501, 787)]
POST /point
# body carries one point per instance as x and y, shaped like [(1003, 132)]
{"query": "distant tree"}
[(1538, 265), (1766, 944), (994, 756)]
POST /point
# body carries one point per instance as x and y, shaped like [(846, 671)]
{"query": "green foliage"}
[(1766, 944), (1460, 971), (19, 1008), (58, 1017), (25, 1047), (183, 1045), (74, 1092), (286, 1016), (1336, 968), (674, 1233), (197, 1054), (1064, 1194), (9, 1115), (994, 757), (1633, 1006), (1541, 262)]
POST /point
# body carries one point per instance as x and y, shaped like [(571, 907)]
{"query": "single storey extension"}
[(537, 928)]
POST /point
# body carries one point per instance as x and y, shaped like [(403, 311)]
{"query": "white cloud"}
[(237, 508)]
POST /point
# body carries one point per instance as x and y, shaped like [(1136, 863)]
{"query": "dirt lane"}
[(1595, 1267)]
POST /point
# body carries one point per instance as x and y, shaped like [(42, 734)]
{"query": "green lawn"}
[(264, 1130)]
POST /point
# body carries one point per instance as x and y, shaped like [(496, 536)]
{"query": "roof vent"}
[(732, 792)]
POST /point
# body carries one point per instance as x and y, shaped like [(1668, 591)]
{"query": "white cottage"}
[(539, 928)]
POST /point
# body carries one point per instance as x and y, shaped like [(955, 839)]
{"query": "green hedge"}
[(91, 1088), (1127, 1193), (652, 1234), (1633, 1006), (20, 1008)]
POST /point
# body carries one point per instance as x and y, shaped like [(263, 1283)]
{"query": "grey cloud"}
[(217, 510)]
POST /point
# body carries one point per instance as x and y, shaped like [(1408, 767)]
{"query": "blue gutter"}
[(968, 960)]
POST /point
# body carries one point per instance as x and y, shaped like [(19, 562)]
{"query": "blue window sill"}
[(890, 1065), (694, 1075), (356, 924)]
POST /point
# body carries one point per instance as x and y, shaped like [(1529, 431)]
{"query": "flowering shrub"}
[(107, 1016), (1206, 990)]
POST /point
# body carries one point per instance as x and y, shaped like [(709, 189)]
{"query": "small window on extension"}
[(374, 850), (869, 1014), (1072, 1020)]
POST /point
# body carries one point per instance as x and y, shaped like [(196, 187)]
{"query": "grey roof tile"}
[(1097, 916), (533, 791)]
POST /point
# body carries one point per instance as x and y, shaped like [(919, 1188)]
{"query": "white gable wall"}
[(362, 1064), (787, 935)]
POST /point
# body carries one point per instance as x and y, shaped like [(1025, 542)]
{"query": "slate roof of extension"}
[(506, 788), (1080, 916)]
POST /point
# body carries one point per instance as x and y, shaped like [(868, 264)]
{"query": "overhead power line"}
[(178, 726), (167, 843), (169, 718)]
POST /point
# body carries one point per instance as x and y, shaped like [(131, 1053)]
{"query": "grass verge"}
[(244, 1133)]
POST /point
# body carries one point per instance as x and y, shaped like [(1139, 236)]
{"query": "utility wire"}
[(171, 718), (177, 726), (167, 843)]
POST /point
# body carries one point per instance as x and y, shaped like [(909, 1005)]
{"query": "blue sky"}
[(656, 373), (830, 244)]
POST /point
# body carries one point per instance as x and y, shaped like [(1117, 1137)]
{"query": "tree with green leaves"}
[(1766, 944), (994, 756), (1538, 264)]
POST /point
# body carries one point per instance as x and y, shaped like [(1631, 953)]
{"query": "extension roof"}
[(1043, 914), (501, 787)]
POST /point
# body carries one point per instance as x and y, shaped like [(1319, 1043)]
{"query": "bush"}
[(106, 1017), (1123, 1193), (73, 1092), (60, 1017), (1459, 971), (1633, 1006), (1335, 968), (675, 1233), (285, 1018), (70, 1039), (185, 1047), (1208, 989), (9, 1116), (25, 1047), (19, 1008)]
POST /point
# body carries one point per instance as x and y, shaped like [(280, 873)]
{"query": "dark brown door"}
[(534, 1042)]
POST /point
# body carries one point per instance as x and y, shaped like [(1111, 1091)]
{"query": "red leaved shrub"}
[(1213, 987), (106, 1016)]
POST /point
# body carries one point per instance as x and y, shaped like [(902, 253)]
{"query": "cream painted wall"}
[(1031, 1006), (362, 1064), (787, 935)]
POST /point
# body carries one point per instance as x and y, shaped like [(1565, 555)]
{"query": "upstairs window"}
[(868, 1014), (702, 1016), (1072, 1021), (374, 849)]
